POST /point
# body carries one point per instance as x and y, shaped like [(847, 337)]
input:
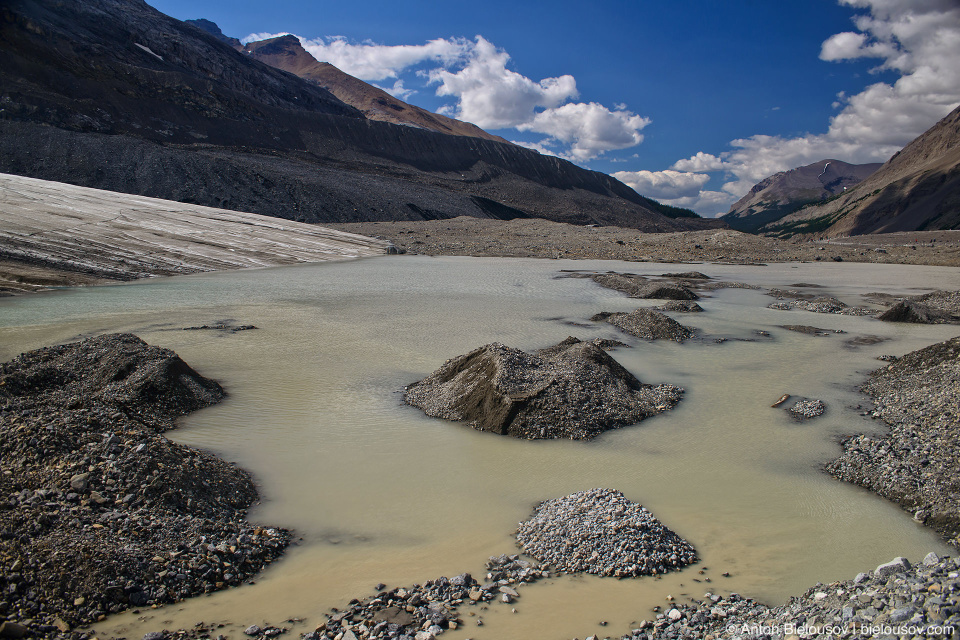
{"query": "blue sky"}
[(690, 103)]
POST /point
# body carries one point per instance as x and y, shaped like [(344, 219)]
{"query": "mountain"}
[(783, 193), (285, 52), (917, 189), (113, 94)]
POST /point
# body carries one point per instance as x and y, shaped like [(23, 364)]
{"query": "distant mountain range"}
[(783, 193), (917, 189), (113, 94)]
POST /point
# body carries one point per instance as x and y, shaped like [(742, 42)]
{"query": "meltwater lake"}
[(379, 492)]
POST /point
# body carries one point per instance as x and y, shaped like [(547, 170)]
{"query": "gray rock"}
[(902, 615), (252, 630), (896, 565), (153, 635), (80, 482)]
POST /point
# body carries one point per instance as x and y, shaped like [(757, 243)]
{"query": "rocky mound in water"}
[(99, 512), (574, 390), (918, 462), (601, 532), (637, 286), (647, 324)]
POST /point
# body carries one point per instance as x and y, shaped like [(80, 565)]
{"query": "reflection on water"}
[(381, 493)]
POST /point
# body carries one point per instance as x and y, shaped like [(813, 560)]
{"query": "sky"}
[(690, 103)]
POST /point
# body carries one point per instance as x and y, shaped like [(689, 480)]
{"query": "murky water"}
[(381, 493)]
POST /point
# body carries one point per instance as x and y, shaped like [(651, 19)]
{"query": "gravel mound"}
[(912, 312), (809, 330), (822, 304), (896, 600), (98, 511), (682, 306), (601, 532), (574, 390), (806, 409), (647, 324), (641, 287), (917, 463)]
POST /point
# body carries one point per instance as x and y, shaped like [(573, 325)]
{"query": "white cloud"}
[(589, 129), (370, 61), (492, 96), (398, 91), (700, 162), (919, 40), (663, 185)]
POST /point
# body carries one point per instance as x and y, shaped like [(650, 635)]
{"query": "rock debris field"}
[(98, 511)]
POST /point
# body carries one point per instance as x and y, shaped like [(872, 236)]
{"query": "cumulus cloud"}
[(700, 162), (589, 129), (492, 96), (664, 185), (917, 39)]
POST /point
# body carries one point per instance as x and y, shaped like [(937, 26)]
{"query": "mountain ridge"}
[(784, 192), (917, 189), (112, 94)]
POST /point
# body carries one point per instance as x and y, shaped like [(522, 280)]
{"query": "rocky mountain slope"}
[(783, 193), (113, 94), (285, 52), (917, 189)]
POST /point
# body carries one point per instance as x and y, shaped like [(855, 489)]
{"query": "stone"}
[(902, 614), (896, 565), (80, 482), (153, 635), (252, 630), (931, 559)]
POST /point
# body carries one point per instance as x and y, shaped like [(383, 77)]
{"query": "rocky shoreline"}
[(917, 463), (98, 511)]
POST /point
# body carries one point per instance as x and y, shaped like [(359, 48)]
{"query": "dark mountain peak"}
[(213, 29)]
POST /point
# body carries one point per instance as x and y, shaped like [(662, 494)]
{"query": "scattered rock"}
[(573, 390), (924, 597)]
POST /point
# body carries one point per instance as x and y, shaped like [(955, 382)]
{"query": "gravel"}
[(917, 463), (573, 390), (98, 511), (422, 612), (895, 600), (647, 324), (819, 304), (806, 409), (599, 531)]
